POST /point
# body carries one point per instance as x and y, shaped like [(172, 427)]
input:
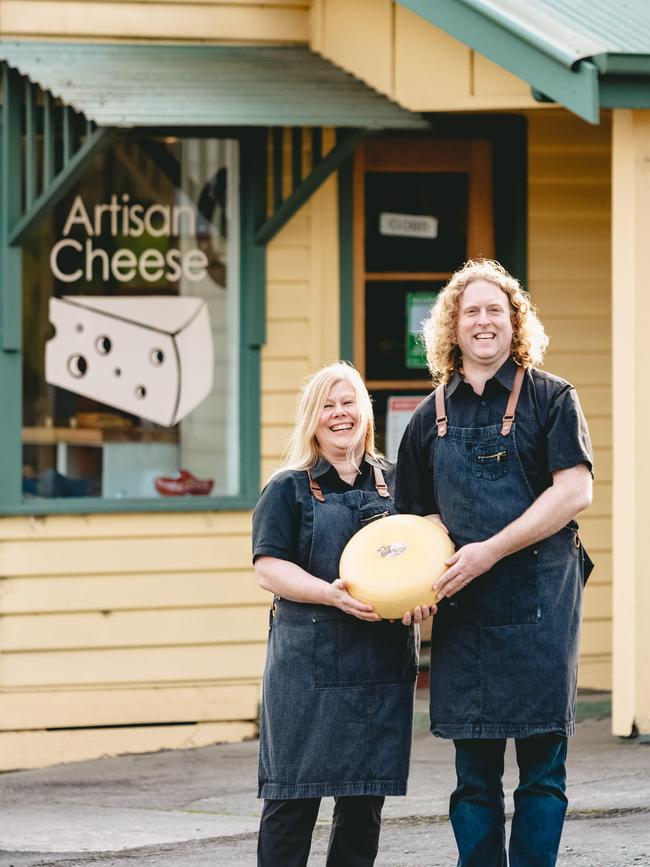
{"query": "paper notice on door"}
[(408, 225), (398, 414)]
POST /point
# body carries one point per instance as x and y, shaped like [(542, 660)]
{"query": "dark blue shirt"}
[(283, 517), (551, 431)]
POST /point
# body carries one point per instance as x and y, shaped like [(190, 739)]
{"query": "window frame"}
[(252, 208)]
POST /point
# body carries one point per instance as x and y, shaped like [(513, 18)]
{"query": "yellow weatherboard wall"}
[(124, 620), (569, 275), (250, 21), (403, 56)]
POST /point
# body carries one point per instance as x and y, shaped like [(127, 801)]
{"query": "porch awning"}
[(586, 54), (201, 85)]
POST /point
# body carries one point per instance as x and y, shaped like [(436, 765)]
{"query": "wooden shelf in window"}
[(408, 275), (79, 436), (399, 384)]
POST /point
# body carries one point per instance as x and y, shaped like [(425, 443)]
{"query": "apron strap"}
[(380, 482), (315, 488), (509, 417), (441, 418), (380, 485)]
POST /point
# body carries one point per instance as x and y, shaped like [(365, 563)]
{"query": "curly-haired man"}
[(500, 455)]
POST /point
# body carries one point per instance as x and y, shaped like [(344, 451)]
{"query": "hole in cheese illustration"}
[(150, 356), (392, 563)]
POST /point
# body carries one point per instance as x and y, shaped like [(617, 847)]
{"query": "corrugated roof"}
[(617, 26), (573, 30), (199, 85)]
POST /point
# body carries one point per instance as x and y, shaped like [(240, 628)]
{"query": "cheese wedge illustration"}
[(150, 356)]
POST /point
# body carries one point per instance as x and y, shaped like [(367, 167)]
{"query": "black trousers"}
[(286, 827)]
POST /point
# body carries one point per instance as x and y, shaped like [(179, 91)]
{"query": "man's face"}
[(484, 329)]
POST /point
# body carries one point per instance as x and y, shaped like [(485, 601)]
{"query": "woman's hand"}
[(420, 613), (338, 596), (436, 519)]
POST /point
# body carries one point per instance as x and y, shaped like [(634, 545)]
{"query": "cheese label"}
[(149, 356), (393, 550)]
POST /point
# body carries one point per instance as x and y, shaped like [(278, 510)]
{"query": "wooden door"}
[(421, 208)]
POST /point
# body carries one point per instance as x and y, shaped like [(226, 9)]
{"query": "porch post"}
[(11, 279), (631, 405)]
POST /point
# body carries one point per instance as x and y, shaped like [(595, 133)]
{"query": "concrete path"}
[(197, 808)]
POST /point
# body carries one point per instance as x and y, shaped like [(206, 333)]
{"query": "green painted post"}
[(296, 157), (11, 291), (278, 163), (346, 253), (67, 134), (30, 146), (48, 140), (253, 168)]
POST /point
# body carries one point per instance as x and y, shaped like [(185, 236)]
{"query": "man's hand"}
[(338, 596), (420, 613), (465, 565)]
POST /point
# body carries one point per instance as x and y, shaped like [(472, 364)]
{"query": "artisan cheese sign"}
[(148, 355), (71, 260)]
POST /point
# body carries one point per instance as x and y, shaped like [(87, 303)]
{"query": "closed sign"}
[(408, 225)]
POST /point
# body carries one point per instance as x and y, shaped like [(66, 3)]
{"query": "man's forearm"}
[(551, 511)]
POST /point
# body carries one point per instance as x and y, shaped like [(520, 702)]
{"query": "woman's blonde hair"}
[(529, 341), (303, 450)]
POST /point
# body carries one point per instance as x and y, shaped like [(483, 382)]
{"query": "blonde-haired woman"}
[(338, 682)]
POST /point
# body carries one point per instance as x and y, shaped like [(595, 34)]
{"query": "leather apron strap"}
[(441, 418), (380, 485), (380, 482), (508, 418), (315, 488)]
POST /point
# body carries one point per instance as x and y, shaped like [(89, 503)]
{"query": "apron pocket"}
[(491, 460), (373, 511), (352, 653), (507, 595)]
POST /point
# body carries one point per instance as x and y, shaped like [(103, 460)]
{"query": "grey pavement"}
[(197, 808)]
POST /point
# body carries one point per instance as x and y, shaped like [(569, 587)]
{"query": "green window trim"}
[(252, 144)]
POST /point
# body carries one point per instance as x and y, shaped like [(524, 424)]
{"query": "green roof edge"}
[(545, 67)]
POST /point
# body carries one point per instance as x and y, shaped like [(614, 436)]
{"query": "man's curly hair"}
[(529, 341)]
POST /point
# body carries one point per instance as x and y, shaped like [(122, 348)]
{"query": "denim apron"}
[(337, 705), (504, 650)]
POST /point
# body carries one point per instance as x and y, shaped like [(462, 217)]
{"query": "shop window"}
[(131, 328)]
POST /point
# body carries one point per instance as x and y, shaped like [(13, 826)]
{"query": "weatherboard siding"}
[(569, 276), (250, 21), (403, 56)]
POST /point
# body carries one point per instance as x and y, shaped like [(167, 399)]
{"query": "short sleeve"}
[(414, 494), (567, 433), (276, 520)]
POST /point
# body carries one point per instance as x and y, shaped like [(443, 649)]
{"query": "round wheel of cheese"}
[(392, 563)]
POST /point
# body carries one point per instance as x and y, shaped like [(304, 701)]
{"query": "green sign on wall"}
[(418, 306)]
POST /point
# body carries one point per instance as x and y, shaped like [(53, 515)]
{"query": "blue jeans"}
[(477, 809)]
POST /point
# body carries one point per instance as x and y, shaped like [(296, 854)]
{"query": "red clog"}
[(183, 484)]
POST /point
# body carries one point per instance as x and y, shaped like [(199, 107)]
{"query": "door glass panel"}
[(391, 310), (415, 221)]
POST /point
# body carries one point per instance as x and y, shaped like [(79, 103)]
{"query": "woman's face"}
[(338, 426)]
